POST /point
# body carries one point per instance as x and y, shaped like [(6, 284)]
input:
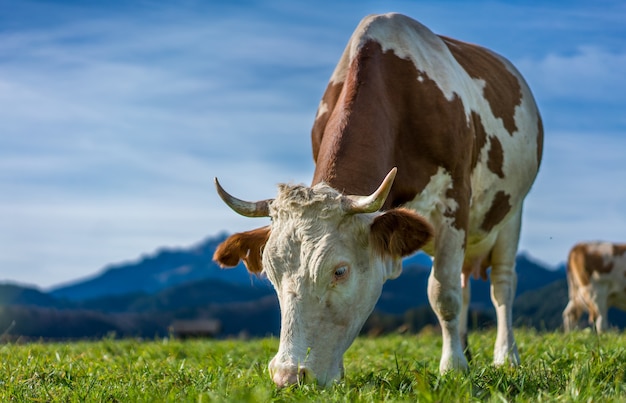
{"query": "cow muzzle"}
[(286, 375)]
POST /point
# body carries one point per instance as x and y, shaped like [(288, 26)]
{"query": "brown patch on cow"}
[(480, 138), (399, 232), (460, 215), (495, 159), (386, 117), (330, 100), (619, 249), (593, 262), (597, 263), (500, 207), (502, 89), (246, 246), (608, 267)]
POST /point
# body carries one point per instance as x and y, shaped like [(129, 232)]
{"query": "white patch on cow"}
[(321, 109), (410, 40), (433, 204), (617, 283), (614, 279), (311, 237), (518, 172), (604, 249)]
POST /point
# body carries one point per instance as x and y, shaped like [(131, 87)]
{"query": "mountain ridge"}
[(142, 297)]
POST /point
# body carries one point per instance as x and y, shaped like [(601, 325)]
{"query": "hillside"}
[(152, 273), (542, 308), (142, 298)]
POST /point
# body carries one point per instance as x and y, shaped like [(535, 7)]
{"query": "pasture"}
[(580, 366)]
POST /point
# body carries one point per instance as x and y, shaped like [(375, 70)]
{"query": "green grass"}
[(556, 367)]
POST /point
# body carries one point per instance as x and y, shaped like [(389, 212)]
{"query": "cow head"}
[(327, 255)]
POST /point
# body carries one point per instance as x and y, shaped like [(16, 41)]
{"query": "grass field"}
[(556, 367)]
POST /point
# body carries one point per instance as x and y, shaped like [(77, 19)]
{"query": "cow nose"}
[(283, 377)]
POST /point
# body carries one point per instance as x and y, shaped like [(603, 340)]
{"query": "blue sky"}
[(115, 116)]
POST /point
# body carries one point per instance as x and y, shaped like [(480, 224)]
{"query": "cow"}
[(596, 279), (455, 132)]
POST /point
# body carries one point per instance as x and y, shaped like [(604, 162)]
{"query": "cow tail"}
[(576, 273)]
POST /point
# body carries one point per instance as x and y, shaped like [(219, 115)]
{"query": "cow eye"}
[(341, 272)]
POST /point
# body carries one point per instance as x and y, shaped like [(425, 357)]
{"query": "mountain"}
[(13, 294), (531, 275), (410, 289), (153, 273), (192, 295), (542, 308), (251, 309), (142, 299)]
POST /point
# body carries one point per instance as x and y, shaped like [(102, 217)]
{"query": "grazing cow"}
[(596, 278), (454, 131)]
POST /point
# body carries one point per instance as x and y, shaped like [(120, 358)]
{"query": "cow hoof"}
[(511, 358), (456, 364)]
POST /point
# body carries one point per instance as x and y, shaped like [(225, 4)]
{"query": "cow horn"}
[(373, 202), (245, 208)]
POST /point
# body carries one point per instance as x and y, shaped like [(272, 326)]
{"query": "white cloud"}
[(589, 74)]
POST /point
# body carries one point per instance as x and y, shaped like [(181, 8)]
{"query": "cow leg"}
[(503, 285), (463, 322), (445, 297), (571, 315), (602, 322), (600, 308)]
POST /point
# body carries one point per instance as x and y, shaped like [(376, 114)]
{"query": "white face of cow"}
[(327, 280), (327, 258)]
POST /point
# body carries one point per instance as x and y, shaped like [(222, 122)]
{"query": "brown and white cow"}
[(461, 126), (596, 278)]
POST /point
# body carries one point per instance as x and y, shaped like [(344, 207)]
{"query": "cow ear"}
[(246, 246), (399, 232)]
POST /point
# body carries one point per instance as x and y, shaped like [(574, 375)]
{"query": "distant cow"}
[(596, 278), (461, 126)]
